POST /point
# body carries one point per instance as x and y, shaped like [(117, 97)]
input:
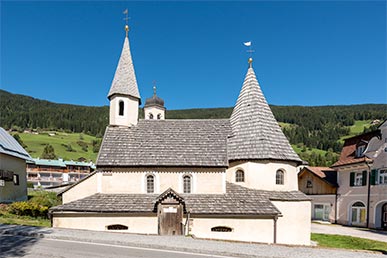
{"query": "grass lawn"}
[(7, 218), (36, 143), (348, 242), (357, 128)]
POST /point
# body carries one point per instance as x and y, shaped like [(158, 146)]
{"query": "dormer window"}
[(121, 108), (360, 150)]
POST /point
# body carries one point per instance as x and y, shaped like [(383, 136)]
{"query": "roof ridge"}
[(200, 119)]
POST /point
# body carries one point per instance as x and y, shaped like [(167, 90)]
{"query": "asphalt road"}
[(20, 246)]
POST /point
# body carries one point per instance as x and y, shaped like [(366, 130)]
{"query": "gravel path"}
[(349, 231), (186, 243)]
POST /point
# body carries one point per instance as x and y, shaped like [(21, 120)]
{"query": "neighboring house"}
[(47, 172), (13, 179), (362, 180), (320, 183), (233, 179)]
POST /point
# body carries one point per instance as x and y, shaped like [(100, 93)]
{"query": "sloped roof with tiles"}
[(348, 153), (169, 142), (124, 82), (255, 131), (9, 146), (237, 200)]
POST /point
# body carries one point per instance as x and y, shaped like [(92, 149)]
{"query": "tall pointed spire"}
[(124, 82), (255, 131)]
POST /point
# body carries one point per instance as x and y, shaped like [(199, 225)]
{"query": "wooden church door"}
[(170, 215)]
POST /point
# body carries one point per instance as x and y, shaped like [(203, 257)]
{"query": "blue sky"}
[(306, 53)]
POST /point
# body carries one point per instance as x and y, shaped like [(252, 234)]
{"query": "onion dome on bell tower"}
[(154, 107)]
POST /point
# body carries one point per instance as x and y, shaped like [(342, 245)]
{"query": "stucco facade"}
[(349, 195), (295, 218), (139, 224), (129, 109), (262, 175), (13, 191), (154, 112)]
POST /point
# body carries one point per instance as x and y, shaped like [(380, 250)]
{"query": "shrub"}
[(45, 198), (30, 185), (37, 206), (28, 209)]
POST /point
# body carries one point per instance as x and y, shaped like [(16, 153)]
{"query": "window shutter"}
[(373, 177), (364, 180), (352, 179)]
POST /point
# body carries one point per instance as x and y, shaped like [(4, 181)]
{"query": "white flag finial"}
[(247, 44)]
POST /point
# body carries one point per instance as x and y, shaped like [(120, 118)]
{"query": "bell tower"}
[(154, 107), (124, 96)]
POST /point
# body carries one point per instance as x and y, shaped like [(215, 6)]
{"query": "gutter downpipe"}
[(186, 225), (275, 218), (368, 193), (336, 205)]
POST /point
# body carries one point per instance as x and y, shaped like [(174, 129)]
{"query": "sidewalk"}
[(181, 243), (335, 229)]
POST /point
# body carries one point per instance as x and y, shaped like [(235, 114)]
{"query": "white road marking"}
[(140, 248)]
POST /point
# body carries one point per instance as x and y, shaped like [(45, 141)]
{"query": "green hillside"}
[(81, 145)]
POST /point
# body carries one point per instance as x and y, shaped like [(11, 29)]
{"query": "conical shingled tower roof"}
[(256, 134), (124, 81)]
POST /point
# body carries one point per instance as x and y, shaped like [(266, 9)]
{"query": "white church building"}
[(232, 179)]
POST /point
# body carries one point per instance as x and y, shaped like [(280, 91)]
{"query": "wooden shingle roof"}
[(255, 131), (238, 200), (124, 81), (201, 143)]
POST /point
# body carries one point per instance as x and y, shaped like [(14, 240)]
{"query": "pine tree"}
[(48, 152)]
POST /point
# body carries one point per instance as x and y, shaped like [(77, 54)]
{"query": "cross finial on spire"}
[(154, 87), (126, 12)]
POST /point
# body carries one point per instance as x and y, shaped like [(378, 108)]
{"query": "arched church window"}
[(150, 116), (150, 184), (159, 116), (279, 177), (121, 108), (187, 184), (239, 176)]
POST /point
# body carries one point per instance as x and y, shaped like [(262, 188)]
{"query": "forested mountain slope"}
[(319, 127)]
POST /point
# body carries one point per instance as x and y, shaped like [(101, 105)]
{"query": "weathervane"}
[(250, 51), (126, 12)]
